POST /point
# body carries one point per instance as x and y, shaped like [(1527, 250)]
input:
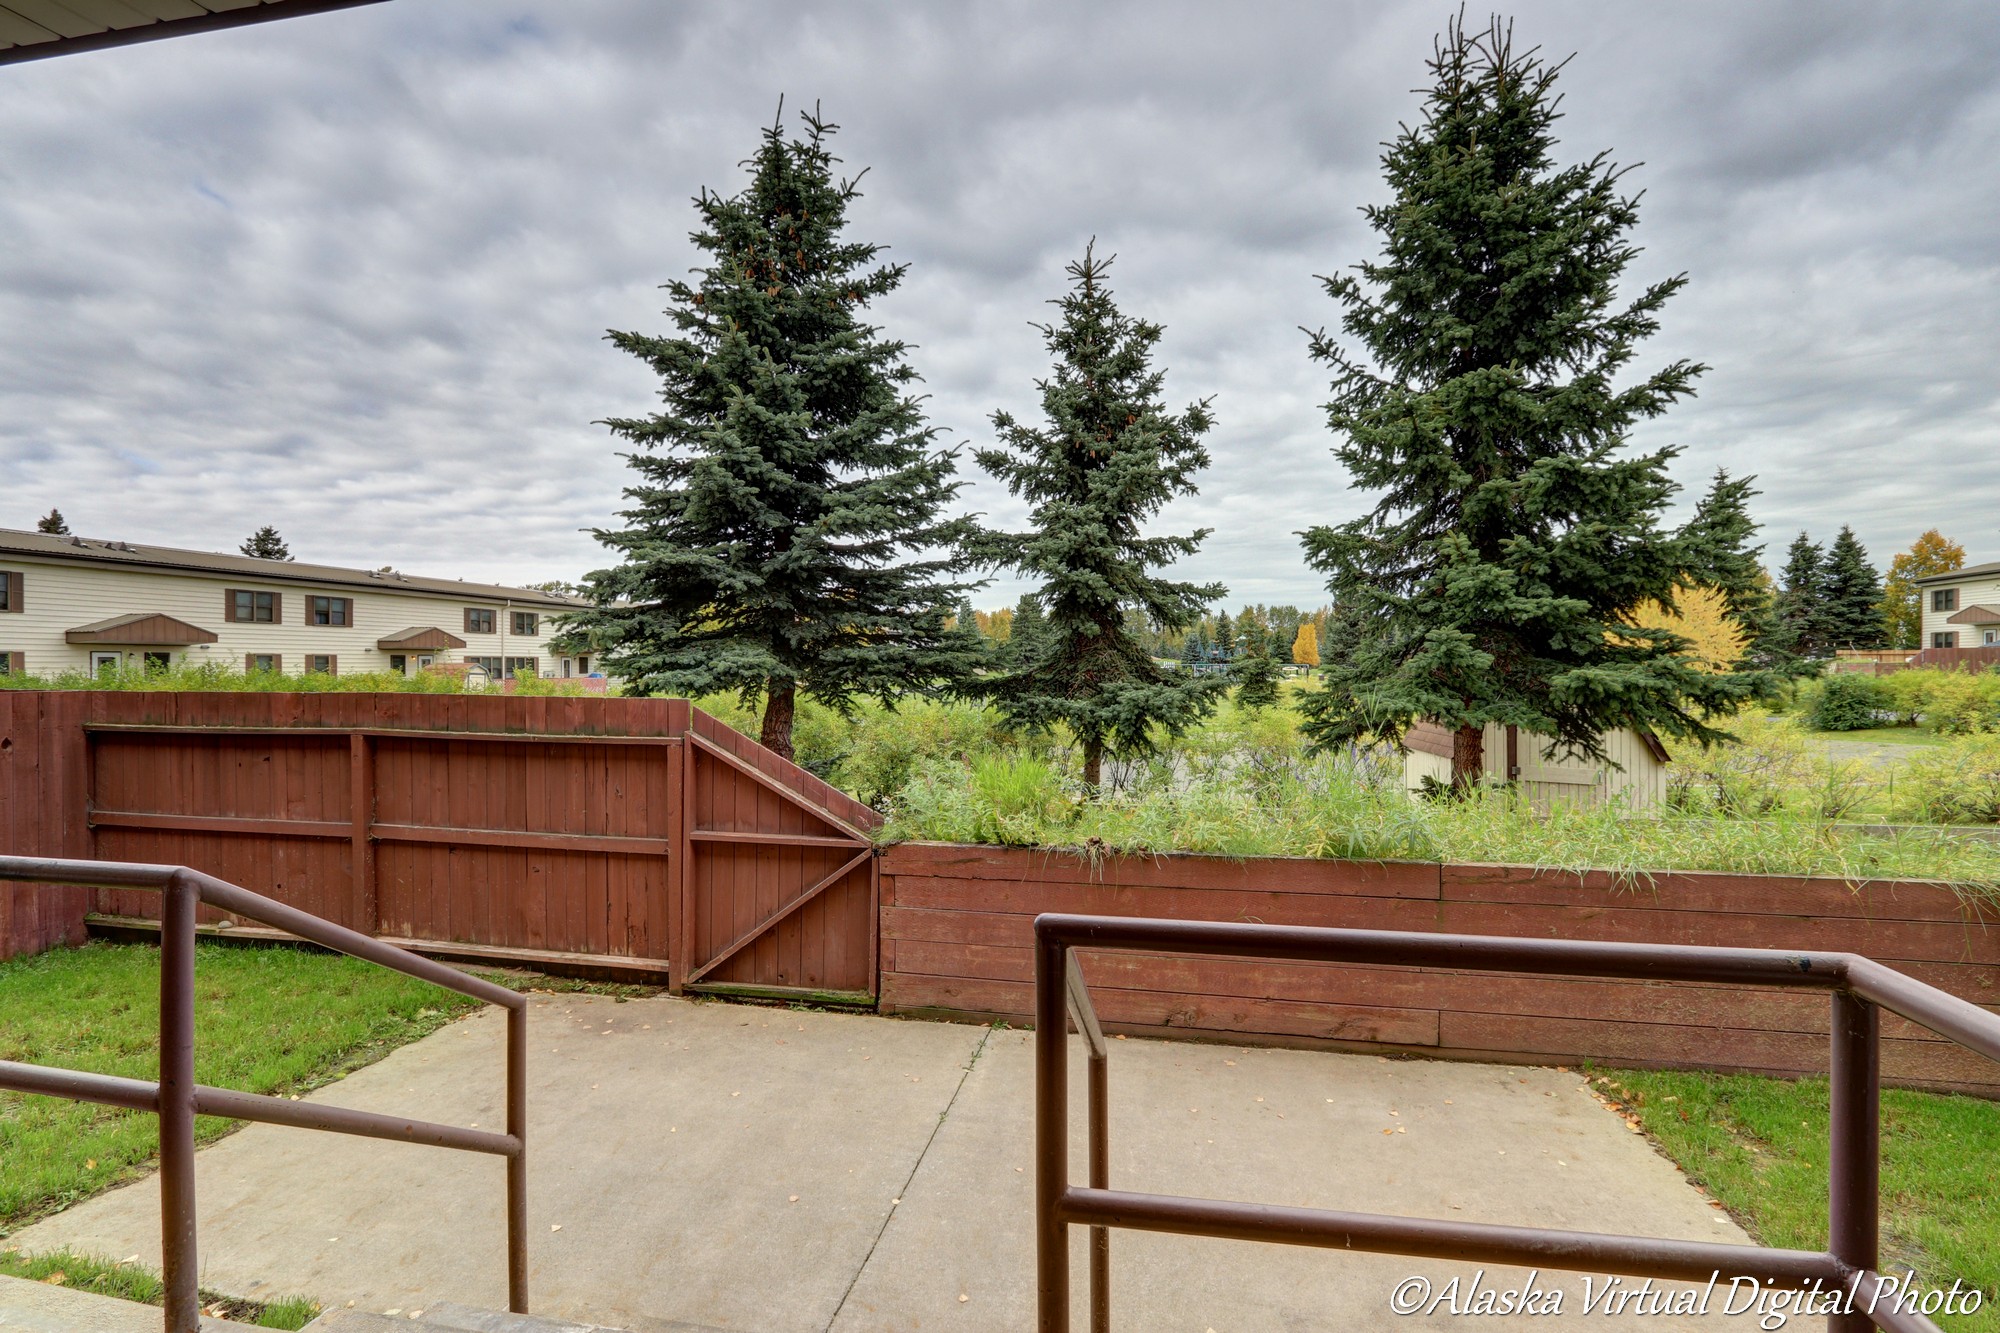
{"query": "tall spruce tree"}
[(53, 523), (266, 544), (787, 529), (1515, 534), (1720, 555), (1255, 673), (1853, 592), (1800, 627), (1029, 634), (1109, 458), (1225, 636)]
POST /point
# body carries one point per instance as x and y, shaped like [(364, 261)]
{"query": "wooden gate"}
[(638, 836)]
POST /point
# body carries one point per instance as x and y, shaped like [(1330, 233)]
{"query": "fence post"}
[(1854, 1170), (1051, 1135), (176, 1108), (361, 800), (517, 1161)]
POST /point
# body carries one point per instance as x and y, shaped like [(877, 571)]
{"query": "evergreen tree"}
[(786, 530), (1800, 627), (1853, 593), (1030, 632), (1109, 458), (1225, 637), (1515, 533), (53, 523), (1720, 555), (1191, 650), (266, 544), (1902, 600), (1255, 672)]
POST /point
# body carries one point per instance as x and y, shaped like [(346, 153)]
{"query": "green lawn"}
[(267, 1020), (1759, 1145), (131, 1282)]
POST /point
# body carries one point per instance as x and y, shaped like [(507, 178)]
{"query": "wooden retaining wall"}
[(957, 942)]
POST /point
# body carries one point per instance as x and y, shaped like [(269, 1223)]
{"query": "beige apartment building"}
[(1961, 609), (75, 603)]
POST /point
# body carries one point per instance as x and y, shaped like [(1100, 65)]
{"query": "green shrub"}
[(1906, 695), (1846, 703), (1964, 703), (1955, 783)]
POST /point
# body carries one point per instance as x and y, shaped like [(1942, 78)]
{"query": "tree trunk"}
[(1468, 757), (1093, 766), (779, 704)]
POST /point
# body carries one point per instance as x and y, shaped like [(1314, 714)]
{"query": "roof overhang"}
[(141, 629), (421, 639), (38, 29), (1976, 615)]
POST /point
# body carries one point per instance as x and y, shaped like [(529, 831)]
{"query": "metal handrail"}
[(177, 1099), (1860, 989)]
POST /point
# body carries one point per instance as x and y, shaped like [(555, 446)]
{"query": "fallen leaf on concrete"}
[(793, 1199), (963, 1298), (554, 1226)]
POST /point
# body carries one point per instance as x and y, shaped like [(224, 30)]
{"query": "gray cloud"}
[(350, 274)]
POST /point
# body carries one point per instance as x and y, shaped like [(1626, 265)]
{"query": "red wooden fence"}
[(958, 941), (635, 833)]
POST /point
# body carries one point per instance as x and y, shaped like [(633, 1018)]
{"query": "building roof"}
[(35, 29), (47, 546), (141, 629), (1976, 615), (1969, 572)]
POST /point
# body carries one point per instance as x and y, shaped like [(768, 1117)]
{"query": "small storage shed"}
[(1637, 774)]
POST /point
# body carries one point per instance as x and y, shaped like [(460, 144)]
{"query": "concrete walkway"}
[(771, 1171)]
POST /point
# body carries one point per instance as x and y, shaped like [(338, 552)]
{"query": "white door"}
[(100, 662)]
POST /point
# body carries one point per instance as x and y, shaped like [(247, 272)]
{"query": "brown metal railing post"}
[(178, 1257), (1854, 1171), (1051, 1136), (1100, 1179), (517, 1161)]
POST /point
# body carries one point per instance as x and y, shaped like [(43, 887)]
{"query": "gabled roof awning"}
[(1976, 615), (421, 639), (141, 629)]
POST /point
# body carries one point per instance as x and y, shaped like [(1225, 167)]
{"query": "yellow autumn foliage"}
[(1716, 641)]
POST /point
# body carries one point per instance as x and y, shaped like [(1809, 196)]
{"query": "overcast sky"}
[(349, 274)]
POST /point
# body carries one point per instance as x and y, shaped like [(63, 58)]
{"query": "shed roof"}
[(141, 629), (36, 29)]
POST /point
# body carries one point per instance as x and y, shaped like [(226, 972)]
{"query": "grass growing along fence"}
[(135, 1282), (267, 1020), (217, 678)]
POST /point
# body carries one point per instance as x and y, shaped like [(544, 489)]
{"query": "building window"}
[(323, 664), (525, 622), (159, 661), (517, 665), (399, 663), (583, 666), (479, 619), (490, 665), (331, 610), (1944, 638), (263, 662), (1993, 638), (12, 664), (10, 592), (241, 606), (1944, 599)]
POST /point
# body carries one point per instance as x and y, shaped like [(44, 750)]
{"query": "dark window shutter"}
[(277, 608), (17, 664), (17, 595), (249, 662), (229, 605), (333, 665)]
